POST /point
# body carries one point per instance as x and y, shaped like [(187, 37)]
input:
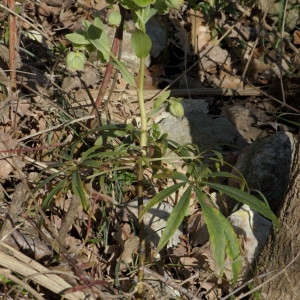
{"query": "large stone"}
[(199, 128), (266, 165), (252, 230), (155, 221)]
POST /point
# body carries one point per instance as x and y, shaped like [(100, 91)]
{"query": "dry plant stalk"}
[(108, 72), (13, 42)]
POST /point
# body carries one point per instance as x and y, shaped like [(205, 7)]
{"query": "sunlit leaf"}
[(162, 98), (78, 38), (222, 236), (245, 198), (128, 77), (163, 194), (176, 4), (172, 175), (78, 190), (48, 178), (114, 18), (141, 43), (222, 174), (50, 195), (143, 3), (75, 60), (175, 219), (99, 39)]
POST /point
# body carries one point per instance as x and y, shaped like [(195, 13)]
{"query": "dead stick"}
[(114, 49), (171, 283), (12, 47), (32, 149)]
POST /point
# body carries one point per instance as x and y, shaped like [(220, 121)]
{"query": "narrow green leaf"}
[(175, 219), (90, 151), (92, 163), (79, 191), (222, 236), (245, 198), (56, 189), (219, 156), (163, 194), (172, 175), (154, 112), (128, 77), (48, 179), (162, 98), (233, 251), (222, 174)]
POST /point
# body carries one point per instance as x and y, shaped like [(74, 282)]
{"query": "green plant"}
[(106, 157)]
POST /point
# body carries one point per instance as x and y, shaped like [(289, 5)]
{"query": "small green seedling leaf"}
[(162, 98), (141, 43), (114, 18), (176, 4), (76, 60), (143, 3), (78, 38)]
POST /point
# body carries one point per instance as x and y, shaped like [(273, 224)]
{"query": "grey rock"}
[(266, 165), (252, 230), (155, 221), (202, 130), (158, 35)]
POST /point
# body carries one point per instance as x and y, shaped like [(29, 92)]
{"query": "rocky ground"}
[(241, 97)]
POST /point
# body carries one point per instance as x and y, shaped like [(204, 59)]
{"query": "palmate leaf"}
[(175, 218), (245, 198), (222, 237)]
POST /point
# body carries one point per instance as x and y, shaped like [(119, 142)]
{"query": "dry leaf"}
[(296, 36), (131, 246), (7, 165), (197, 230)]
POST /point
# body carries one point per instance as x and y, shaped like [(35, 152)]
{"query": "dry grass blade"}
[(21, 264), (7, 274)]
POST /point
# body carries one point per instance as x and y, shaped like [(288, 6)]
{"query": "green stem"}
[(143, 115)]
